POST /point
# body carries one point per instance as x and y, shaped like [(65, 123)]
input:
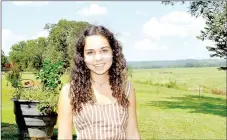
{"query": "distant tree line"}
[(178, 64)]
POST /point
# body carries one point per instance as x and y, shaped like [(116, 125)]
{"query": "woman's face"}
[(97, 54)]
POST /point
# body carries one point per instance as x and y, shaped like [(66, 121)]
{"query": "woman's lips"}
[(99, 65)]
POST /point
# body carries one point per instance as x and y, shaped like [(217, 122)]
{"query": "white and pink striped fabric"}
[(106, 121)]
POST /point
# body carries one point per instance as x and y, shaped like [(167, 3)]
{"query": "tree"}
[(215, 15), (4, 60), (28, 54), (59, 46), (37, 47), (62, 39), (17, 55)]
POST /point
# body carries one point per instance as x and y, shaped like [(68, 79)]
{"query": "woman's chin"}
[(100, 72)]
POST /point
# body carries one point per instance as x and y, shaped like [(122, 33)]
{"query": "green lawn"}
[(163, 113)]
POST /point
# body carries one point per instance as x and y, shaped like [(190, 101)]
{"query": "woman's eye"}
[(89, 53), (104, 50)]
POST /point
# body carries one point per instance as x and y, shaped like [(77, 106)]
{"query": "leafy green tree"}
[(62, 39), (52, 54), (28, 54), (4, 60), (59, 46), (36, 57), (17, 55)]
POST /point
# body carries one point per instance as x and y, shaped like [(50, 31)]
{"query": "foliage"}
[(177, 63), (47, 94), (50, 75), (28, 54), (52, 54), (215, 14), (14, 76), (218, 91), (4, 60), (171, 84), (47, 98), (7, 66), (62, 38), (146, 82)]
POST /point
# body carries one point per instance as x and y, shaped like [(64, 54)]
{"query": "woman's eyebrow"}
[(88, 49), (101, 48), (105, 47)]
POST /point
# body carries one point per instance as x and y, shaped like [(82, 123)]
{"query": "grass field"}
[(190, 77), (163, 113)]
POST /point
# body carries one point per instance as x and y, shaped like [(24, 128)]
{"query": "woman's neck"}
[(99, 78)]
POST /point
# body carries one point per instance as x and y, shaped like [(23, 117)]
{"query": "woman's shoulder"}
[(66, 86), (128, 86), (65, 89), (64, 99)]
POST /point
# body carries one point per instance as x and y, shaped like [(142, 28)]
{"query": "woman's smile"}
[(99, 66)]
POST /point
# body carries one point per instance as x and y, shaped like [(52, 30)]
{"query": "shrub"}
[(47, 93), (50, 75), (171, 84), (14, 76), (218, 91)]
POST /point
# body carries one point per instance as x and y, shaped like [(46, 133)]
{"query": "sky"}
[(148, 30)]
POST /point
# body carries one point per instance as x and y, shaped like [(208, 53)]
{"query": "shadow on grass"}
[(206, 105), (9, 132)]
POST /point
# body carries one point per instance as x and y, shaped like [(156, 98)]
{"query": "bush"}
[(47, 98), (14, 76), (47, 93), (171, 84), (50, 75), (218, 91), (146, 82)]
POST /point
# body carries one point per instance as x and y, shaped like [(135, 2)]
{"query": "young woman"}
[(99, 101)]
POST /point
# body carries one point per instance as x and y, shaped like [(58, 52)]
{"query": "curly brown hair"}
[(80, 84)]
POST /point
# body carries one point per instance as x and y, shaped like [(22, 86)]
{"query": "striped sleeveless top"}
[(102, 121)]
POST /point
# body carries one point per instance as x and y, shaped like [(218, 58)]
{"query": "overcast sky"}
[(148, 30)]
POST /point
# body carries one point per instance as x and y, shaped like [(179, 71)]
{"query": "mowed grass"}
[(163, 113), (173, 114)]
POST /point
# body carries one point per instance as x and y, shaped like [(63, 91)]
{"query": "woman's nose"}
[(98, 56)]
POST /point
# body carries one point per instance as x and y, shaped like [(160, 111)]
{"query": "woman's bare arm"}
[(132, 127), (64, 114)]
